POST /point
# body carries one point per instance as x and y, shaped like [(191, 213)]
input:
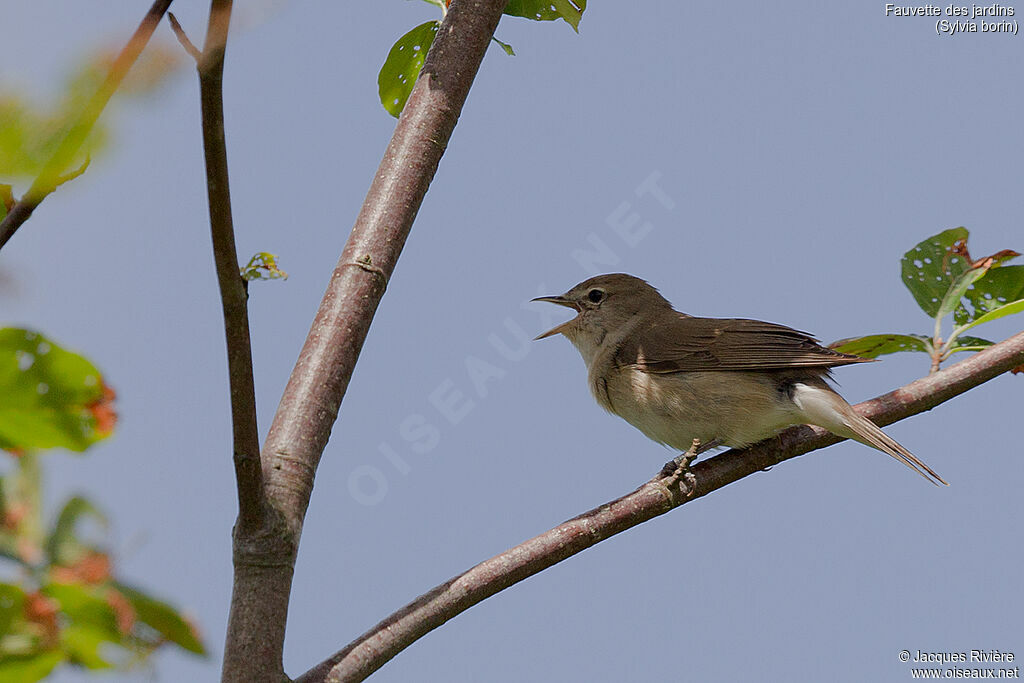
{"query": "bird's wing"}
[(688, 344)]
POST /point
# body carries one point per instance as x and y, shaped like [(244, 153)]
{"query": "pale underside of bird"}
[(726, 381)]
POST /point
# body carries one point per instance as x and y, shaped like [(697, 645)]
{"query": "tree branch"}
[(182, 37), (242, 650), (374, 648), (50, 177), (265, 557), (233, 291), (315, 389)]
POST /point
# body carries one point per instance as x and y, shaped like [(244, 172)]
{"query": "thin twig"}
[(179, 33), (310, 404), (244, 652), (50, 177), (374, 648), (248, 471)]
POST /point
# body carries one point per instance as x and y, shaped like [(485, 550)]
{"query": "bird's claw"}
[(678, 469)]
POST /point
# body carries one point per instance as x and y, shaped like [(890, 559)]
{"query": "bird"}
[(720, 381)]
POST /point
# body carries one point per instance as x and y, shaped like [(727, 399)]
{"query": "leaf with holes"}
[(995, 314), (1000, 287), (957, 290), (548, 10), (49, 397), (875, 345), (968, 344), (402, 67), (929, 269)]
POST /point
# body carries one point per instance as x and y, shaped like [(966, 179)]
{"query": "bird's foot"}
[(678, 469)]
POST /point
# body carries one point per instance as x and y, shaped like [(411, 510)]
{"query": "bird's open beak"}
[(561, 301)]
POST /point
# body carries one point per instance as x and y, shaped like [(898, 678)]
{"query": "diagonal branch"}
[(316, 386), (374, 648), (264, 557), (50, 177)]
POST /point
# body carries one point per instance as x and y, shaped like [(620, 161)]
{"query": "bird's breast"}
[(736, 408)]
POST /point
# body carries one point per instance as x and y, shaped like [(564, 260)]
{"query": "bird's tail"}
[(825, 408)]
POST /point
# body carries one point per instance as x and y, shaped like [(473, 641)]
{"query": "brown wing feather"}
[(688, 344)]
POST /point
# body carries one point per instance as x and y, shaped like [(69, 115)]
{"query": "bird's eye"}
[(595, 295)]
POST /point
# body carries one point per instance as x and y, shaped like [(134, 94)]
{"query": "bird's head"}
[(603, 304)]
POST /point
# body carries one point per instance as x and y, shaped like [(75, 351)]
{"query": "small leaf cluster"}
[(406, 57), (68, 608), (263, 266), (49, 397), (945, 281), (63, 604)]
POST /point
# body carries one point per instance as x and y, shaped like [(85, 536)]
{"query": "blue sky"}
[(798, 150)]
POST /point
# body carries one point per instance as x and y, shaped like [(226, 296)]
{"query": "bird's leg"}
[(679, 467), (701, 448)]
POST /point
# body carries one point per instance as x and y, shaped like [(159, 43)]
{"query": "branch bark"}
[(374, 648), (264, 557), (316, 386), (244, 652), (233, 290), (50, 177)]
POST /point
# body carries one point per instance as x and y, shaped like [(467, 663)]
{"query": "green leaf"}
[(21, 540), (263, 266), (943, 279), (6, 200), (9, 542), (82, 643), (12, 603), (63, 547), (548, 10), (1000, 287), (505, 46), (875, 345), (968, 344), (163, 618), (49, 397), (30, 136), (995, 314), (929, 269), (27, 669), (83, 606), (958, 289), (402, 66)]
